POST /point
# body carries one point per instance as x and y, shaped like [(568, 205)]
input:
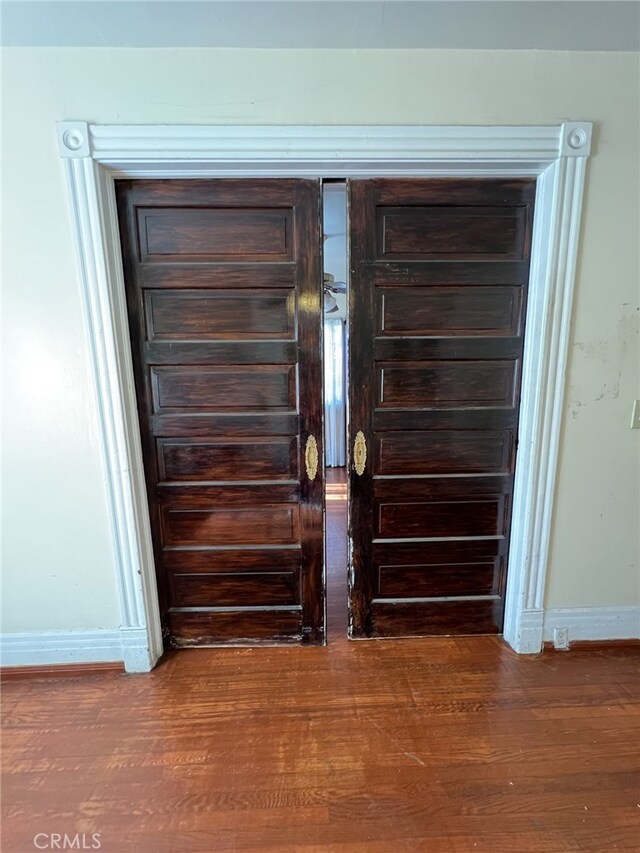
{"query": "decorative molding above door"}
[(321, 151), (556, 155)]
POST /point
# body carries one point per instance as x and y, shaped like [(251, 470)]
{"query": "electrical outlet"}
[(635, 415), (561, 638)]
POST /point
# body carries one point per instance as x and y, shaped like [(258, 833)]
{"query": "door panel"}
[(216, 389), (439, 274), (223, 282), (444, 452), (219, 315), (402, 520), (431, 580), (446, 384), (423, 231), (231, 459), (175, 233), (232, 590), (463, 311), (277, 525)]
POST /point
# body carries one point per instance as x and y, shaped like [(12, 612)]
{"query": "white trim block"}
[(524, 633), (73, 139)]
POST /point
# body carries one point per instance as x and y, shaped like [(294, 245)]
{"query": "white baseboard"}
[(593, 623), (130, 645), (44, 648), (48, 648)]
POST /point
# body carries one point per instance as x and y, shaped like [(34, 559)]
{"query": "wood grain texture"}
[(595, 645), (274, 458), (223, 285), (445, 452), (447, 384), (63, 670), (232, 589), (446, 231), (251, 526), (430, 519), (223, 388), (214, 234), (432, 579), (460, 311), (220, 314), (447, 745), (438, 282)]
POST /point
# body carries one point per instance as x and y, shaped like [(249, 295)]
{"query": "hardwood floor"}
[(388, 746)]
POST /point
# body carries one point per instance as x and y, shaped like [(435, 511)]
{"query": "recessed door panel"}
[(227, 459), (447, 384), (444, 451), (214, 233), (224, 281), (429, 519), (232, 590), (439, 311), (438, 291), (460, 232), (220, 314), (220, 388), (430, 580), (219, 527)]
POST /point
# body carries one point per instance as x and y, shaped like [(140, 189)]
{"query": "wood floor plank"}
[(451, 745)]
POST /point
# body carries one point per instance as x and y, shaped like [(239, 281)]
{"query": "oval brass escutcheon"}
[(360, 453), (311, 458)]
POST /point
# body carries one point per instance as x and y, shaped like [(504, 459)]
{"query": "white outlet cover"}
[(561, 638), (635, 415)]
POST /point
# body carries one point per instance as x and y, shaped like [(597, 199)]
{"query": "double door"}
[(224, 292)]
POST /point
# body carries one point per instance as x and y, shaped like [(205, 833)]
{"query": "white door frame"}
[(95, 155)]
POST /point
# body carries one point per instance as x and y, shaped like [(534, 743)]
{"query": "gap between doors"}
[(335, 307)]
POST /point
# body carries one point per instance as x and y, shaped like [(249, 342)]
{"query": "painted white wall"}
[(58, 564)]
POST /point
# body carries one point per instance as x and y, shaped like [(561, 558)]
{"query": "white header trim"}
[(321, 147)]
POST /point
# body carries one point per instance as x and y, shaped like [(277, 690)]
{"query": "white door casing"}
[(95, 155)]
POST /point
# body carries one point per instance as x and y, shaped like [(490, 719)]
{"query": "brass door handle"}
[(311, 458), (359, 453)]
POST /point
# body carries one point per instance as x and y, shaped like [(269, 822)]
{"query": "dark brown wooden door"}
[(223, 281), (439, 272)]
